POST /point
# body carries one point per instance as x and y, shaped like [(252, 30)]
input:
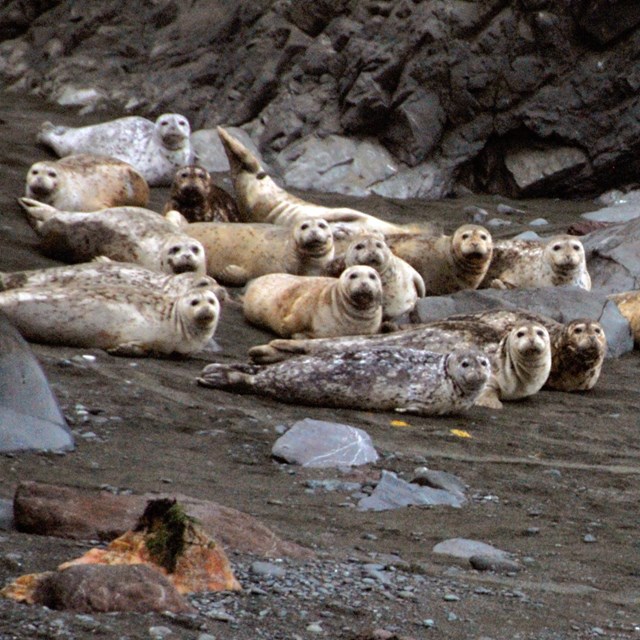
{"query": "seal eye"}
[(182, 123), (597, 330), (323, 225), (359, 246), (540, 333), (483, 236), (465, 236), (464, 364), (173, 251), (372, 276), (576, 247), (520, 334), (195, 250), (578, 330), (194, 302), (304, 226), (52, 174), (378, 245), (556, 247), (483, 362), (164, 123)]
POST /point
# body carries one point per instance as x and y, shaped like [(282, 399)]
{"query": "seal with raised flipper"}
[(520, 358), (531, 263), (383, 379), (447, 263), (237, 253), (316, 306), (198, 198), (155, 149), (86, 182), (123, 320), (125, 234), (260, 199)]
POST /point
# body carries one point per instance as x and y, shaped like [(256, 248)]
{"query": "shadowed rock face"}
[(521, 98)]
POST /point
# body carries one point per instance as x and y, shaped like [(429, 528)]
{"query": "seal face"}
[(447, 263), (316, 306), (198, 199), (155, 149), (379, 378), (123, 320), (86, 182)]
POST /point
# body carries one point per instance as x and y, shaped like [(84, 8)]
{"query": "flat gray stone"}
[(6, 515), (210, 153), (439, 480), (465, 549), (393, 492), (313, 443)]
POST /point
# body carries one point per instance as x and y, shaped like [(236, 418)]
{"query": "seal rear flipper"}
[(240, 158), (489, 398), (229, 377), (130, 350), (276, 351), (37, 212), (234, 275)]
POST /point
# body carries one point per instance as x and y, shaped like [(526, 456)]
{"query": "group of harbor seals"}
[(155, 149), (260, 199), (126, 234), (86, 182), (198, 199), (237, 253), (379, 378), (316, 306), (447, 263), (530, 263)]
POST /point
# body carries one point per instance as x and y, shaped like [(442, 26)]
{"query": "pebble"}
[(498, 222), (314, 627), (451, 597), (507, 209), (268, 569), (589, 538), (538, 222), (159, 632)]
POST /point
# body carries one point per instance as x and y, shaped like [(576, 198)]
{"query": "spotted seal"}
[(237, 253), (86, 182), (382, 379), (532, 263), (198, 198), (125, 234), (123, 320), (260, 199), (316, 306), (447, 263), (155, 149)]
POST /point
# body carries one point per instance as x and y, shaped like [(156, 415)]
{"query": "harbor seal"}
[(447, 263), (155, 149), (123, 320), (531, 263), (316, 306), (125, 234), (86, 182), (237, 253), (628, 303), (381, 379), (402, 285), (520, 359), (260, 199), (198, 199)]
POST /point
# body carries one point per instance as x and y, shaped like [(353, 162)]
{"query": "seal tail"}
[(37, 212), (240, 158), (229, 377), (276, 351)]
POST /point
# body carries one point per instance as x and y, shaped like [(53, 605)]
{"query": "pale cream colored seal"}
[(402, 285), (530, 263), (447, 263), (315, 306), (237, 253), (381, 379), (198, 198), (86, 182), (155, 149), (125, 234), (124, 320), (260, 199), (628, 303)]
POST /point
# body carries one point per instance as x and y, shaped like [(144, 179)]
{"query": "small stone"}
[(157, 633), (451, 597), (451, 617), (314, 627), (206, 636), (268, 569), (369, 536), (498, 222), (429, 623), (532, 531), (589, 538), (506, 209)]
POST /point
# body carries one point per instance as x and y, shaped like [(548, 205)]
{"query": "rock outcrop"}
[(402, 98)]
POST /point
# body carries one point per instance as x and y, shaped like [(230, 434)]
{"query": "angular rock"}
[(439, 480), (464, 549), (560, 303), (617, 213), (70, 512), (313, 443), (392, 492)]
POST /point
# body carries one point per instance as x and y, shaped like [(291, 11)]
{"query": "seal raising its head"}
[(155, 149), (86, 182), (379, 378)]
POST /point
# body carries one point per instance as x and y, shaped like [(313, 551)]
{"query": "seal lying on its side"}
[(314, 306), (86, 182), (383, 379), (260, 199), (198, 199), (125, 234), (155, 149), (237, 253), (447, 263), (123, 320)]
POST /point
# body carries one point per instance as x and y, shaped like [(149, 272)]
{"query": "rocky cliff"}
[(406, 98)]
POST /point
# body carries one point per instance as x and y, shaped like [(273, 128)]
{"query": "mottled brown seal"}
[(125, 234), (237, 253), (123, 320), (155, 149), (86, 182), (379, 378), (316, 306), (199, 199), (260, 199), (447, 263), (532, 263)]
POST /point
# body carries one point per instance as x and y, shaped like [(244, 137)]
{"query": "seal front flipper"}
[(130, 350), (489, 398), (276, 351), (234, 275)]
